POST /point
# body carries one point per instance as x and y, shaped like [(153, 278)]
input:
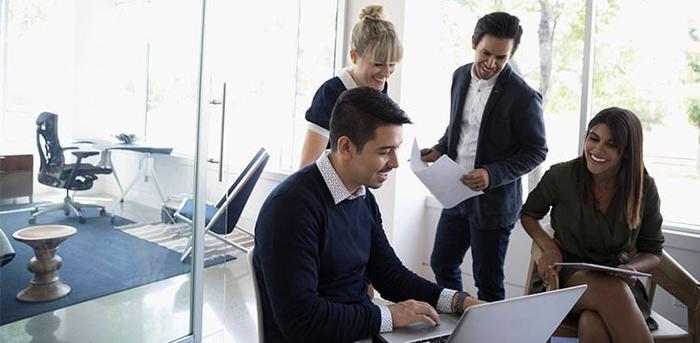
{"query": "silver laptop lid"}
[(531, 318)]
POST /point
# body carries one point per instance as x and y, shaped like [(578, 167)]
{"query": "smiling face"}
[(492, 54), (367, 72), (602, 152), (371, 166)]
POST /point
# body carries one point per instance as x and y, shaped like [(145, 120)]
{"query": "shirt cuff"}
[(320, 130), (444, 304), (387, 323)]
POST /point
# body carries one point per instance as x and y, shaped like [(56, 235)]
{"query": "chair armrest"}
[(83, 154), (672, 277), (678, 282)]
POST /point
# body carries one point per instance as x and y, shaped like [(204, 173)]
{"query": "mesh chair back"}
[(50, 152)]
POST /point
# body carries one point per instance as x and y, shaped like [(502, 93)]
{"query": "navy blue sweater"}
[(314, 259)]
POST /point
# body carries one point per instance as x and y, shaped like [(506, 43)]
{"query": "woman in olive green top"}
[(605, 210)]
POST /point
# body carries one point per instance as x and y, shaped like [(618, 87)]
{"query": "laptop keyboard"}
[(441, 339)]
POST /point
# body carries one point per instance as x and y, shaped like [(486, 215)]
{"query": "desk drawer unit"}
[(16, 176)]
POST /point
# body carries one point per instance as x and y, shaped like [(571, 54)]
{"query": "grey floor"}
[(157, 312)]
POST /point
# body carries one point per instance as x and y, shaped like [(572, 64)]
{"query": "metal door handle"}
[(223, 129), (215, 102)]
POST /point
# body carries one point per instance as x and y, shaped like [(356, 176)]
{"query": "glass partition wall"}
[(112, 84), (167, 100)]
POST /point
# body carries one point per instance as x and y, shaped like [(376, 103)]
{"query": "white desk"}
[(146, 164)]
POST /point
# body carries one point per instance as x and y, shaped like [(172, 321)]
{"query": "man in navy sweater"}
[(319, 238)]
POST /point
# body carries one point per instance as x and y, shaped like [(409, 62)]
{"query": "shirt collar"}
[(338, 190), (346, 78), (487, 83)]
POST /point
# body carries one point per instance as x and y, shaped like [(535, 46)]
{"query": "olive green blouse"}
[(585, 233)]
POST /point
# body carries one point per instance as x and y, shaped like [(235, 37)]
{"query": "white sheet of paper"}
[(441, 178), (591, 266)]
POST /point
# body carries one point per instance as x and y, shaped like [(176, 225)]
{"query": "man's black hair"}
[(500, 25), (359, 111)]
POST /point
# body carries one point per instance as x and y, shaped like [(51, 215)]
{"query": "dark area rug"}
[(97, 261)]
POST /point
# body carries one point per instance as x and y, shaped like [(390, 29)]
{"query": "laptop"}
[(531, 318)]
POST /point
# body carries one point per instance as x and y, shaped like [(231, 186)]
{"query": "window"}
[(40, 41), (111, 59), (647, 59), (272, 56)]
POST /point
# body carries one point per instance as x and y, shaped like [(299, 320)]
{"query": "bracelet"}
[(459, 303)]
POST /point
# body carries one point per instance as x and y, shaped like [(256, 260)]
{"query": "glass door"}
[(98, 130), (263, 63)]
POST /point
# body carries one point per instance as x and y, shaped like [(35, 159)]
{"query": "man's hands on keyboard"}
[(413, 311)]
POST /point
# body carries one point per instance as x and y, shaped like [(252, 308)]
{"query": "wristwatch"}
[(459, 303)]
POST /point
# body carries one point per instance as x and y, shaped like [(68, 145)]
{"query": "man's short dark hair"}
[(359, 111), (500, 25)]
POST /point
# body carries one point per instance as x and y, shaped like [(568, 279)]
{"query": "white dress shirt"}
[(474, 104)]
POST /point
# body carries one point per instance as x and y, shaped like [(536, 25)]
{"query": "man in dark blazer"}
[(496, 132)]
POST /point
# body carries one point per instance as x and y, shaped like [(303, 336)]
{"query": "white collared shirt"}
[(335, 185), (474, 105), (346, 78), (340, 193)]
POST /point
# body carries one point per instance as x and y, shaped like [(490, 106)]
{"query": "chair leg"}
[(187, 251), (68, 206), (228, 241), (39, 210)]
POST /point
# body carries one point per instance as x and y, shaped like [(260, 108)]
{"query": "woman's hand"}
[(627, 278), (546, 262)]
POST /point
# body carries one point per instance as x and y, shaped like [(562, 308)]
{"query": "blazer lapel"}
[(456, 124), (496, 94)]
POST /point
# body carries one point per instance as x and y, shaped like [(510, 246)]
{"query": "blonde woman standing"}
[(374, 52)]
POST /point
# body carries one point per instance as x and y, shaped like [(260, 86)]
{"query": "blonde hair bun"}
[(375, 38), (375, 12)]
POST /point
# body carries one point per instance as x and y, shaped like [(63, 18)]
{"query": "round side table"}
[(44, 239)]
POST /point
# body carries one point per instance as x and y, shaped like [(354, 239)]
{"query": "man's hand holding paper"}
[(444, 178), (477, 179)]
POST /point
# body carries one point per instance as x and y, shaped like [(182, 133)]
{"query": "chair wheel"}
[(103, 212), (81, 220), (32, 221)]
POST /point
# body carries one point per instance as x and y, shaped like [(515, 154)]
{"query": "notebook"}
[(531, 318)]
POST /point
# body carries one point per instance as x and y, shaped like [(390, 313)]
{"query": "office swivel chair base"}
[(68, 206)]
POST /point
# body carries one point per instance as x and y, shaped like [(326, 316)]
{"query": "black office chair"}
[(55, 172), (222, 218)]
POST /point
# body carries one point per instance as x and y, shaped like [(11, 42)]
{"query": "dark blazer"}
[(511, 142)]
